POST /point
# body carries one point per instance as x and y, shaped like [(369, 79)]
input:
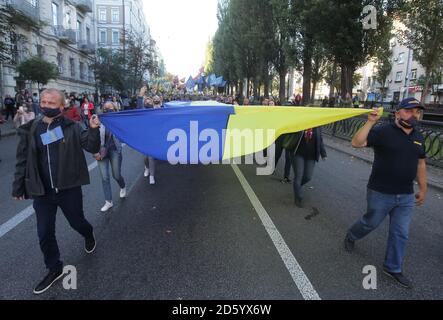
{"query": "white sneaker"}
[(108, 205), (151, 180), (123, 193), (146, 172)]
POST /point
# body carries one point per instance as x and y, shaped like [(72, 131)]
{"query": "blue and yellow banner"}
[(209, 132)]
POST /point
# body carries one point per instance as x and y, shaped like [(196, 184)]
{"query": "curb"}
[(370, 161), (8, 134)]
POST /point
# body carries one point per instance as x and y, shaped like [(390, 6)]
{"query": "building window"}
[(68, 20), (115, 37), (88, 35), (40, 51), (82, 70), (399, 76), (90, 75), (72, 66), (102, 14), (79, 30), (55, 14), (414, 74), (60, 63), (401, 58), (115, 14), (102, 38)]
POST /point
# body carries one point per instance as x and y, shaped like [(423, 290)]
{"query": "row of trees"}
[(126, 70), (326, 40)]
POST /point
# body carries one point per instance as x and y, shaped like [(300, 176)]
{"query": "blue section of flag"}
[(148, 130)]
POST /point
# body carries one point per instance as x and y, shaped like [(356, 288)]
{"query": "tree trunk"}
[(256, 92), (307, 73), (314, 87), (347, 73), (248, 87), (241, 87), (266, 85), (425, 88), (350, 79), (333, 78), (307, 69), (343, 81), (282, 88)]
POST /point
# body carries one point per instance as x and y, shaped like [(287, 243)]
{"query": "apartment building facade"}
[(116, 18), (403, 81), (59, 31)]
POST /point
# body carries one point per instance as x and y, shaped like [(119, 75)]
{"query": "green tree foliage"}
[(109, 69), (323, 39), (37, 70), (424, 34)]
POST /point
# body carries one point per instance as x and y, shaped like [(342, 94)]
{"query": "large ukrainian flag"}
[(209, 132)]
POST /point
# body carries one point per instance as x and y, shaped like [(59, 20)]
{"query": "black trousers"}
[(71, 203), (10, 111)]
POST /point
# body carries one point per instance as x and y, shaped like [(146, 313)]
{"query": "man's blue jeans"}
[(400, 208), (113, 160)]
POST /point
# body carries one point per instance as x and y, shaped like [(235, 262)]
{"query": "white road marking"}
[(301, 280), (26, 213)]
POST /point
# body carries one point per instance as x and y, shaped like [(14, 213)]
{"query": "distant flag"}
[(211, 80), (190, 84), (219, 82), (200, 80)]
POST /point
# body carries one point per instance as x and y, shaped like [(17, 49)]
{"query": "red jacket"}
[(73, 114), (90, 108)]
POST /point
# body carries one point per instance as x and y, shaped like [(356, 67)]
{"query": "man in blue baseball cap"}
[(400, 159)]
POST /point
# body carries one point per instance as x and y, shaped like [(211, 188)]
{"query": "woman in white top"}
[(23, 116)]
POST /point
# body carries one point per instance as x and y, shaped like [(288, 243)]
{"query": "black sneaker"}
[(286, 180), (400, 278), (299, 203), (349, 245), (90, 244), (48, 281)]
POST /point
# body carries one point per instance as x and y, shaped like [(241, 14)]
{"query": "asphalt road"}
[(197, 235)]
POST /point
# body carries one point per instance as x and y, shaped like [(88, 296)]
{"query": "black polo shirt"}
[(396, 159)]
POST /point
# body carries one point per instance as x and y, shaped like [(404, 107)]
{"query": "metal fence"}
[(432, 132)]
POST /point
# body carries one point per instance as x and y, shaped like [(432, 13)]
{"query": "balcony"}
[(66, 35), (25, 10), (83, 5), (86, 46)]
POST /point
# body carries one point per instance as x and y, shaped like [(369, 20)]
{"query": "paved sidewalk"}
[(7, 129), (435, 175)]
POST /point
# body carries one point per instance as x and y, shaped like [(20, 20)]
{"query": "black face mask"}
[(50, 113), (412, 123)]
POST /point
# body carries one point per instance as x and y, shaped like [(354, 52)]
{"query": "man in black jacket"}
[(51, 169)]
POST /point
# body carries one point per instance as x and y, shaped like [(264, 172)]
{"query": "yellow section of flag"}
[(253, 129)]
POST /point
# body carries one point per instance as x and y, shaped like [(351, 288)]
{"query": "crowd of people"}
[(42, 174)]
